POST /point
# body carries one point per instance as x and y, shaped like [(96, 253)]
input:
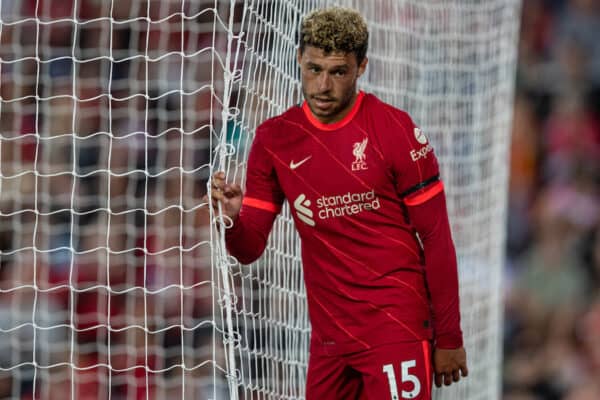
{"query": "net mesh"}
[(114, 280)]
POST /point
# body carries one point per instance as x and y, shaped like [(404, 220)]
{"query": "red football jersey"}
[(359, 190)]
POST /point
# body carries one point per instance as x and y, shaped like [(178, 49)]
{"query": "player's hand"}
[(229, 195), (449, 365)]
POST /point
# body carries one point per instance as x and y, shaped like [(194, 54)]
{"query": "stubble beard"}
[(331, 115)]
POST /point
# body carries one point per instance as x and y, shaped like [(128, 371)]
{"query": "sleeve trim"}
[(420, 186), (422, 197), (261, 204)]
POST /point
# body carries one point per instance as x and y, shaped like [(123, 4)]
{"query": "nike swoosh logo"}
[(294, 165)]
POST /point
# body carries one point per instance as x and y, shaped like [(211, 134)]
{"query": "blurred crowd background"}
[(552, 319)]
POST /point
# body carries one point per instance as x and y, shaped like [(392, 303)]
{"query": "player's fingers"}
[(236, 188), (210, 200), (217, 181), (216, 186), (448, 379), (456, 375), (216, 198), (220, 175), (438, 379), (232, 190), (464, 370)]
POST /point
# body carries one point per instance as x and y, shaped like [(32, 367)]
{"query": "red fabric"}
[(431, 221), (336, 125), (362, 375), (425, 194), (363, 265), (428, 367), (263, 205), (247, 239)]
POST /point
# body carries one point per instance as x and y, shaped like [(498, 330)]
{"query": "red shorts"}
[(396, 371)]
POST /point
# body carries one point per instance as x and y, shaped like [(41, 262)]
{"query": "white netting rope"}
[(40, 172)]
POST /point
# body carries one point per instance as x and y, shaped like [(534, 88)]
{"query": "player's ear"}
[(362, 66)]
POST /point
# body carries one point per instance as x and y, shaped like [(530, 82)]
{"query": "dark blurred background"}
[(552, 303)]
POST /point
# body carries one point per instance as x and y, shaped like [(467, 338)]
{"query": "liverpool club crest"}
[(358, 150)]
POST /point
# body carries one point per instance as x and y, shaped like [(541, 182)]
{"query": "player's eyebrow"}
[(339, 68), (334, 68), (311, 64)]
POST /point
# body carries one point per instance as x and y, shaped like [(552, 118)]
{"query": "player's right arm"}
[(252, 213)]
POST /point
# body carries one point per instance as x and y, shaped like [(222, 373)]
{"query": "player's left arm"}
[(430, 219), (421, 190)]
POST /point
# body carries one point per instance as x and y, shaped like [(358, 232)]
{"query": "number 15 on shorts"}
[(407, 380)]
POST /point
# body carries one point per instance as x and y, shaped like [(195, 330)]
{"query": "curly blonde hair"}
[(335, 29)]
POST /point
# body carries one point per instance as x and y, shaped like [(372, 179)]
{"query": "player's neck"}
[(343, 118), (343, 114)]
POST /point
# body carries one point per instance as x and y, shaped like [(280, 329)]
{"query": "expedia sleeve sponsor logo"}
[(420, 136), (420, 153)]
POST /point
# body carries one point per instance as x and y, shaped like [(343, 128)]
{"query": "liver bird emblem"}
[(358, 150)]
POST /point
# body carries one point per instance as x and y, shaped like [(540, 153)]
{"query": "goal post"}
[(114, 277)]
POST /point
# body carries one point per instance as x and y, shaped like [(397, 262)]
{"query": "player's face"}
[(329, 82)]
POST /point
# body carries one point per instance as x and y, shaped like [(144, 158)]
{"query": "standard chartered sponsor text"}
[(347, 204)]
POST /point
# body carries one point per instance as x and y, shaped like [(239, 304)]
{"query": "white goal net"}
[(114, 281)]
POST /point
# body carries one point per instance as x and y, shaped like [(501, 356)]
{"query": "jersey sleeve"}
[(421, 191), (262, 186), (430, 220), (263, 198), (413, 162)]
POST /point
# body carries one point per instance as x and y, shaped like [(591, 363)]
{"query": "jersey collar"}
[(336, 125)]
